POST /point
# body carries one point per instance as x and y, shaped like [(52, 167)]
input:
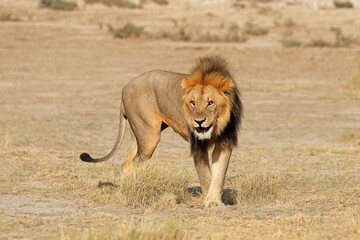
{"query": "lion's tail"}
[(87, 158)]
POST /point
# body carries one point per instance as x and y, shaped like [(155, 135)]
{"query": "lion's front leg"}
[(201, 162), (220, 163)]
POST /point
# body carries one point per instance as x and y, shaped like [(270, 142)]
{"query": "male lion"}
[(204, 107)]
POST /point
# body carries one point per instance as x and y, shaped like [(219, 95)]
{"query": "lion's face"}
[(207, 110)]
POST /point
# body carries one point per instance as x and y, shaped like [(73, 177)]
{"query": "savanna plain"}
[(294, 175)]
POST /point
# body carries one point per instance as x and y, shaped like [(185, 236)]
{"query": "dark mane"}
[(229, 136), (212, 64)]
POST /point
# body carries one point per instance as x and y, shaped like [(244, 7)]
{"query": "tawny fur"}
[(204, 107)]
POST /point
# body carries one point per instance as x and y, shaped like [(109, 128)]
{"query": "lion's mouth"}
[(203, 129)]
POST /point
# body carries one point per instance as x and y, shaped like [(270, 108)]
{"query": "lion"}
[(203, 107)]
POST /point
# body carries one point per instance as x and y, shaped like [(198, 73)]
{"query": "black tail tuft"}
[(86, 157)]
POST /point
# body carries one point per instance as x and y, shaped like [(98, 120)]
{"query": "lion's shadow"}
[(228, 197)]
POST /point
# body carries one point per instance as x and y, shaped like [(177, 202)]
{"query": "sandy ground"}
[(61, 75)]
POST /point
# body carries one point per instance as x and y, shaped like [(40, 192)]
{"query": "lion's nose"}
[(200, 121)]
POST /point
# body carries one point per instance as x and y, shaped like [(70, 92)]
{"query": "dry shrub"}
[(354, 82), (130, 30), (145, 185), (208, 37), (341, 40), (5, 16), (161, 2), (254, 30), (58, 5), (168, 230), (319, 43), (290, 43), (117, 3), (343, 4), (180, 35), (253, 188), (233, 34)]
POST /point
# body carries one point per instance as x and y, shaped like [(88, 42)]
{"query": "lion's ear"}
[(221, 83), (225, 85), (191, 81), (185, 85)]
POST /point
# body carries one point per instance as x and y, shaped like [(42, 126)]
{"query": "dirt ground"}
[(61, 75)]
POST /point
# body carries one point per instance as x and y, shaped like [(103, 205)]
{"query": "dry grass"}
[(168, 230), (255, 188), (295, 182), (354, 82), (350, 136), (141, 187), (145, 185)]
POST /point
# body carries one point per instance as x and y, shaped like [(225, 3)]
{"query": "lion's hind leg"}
[(132, 151), (144, 138)]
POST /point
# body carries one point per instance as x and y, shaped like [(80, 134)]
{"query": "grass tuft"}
[(130, 30), (58, 5), (354, 82), (254, 188), (146, 184)]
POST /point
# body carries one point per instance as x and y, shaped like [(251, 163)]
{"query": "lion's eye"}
[(210, 103), (192, 102)]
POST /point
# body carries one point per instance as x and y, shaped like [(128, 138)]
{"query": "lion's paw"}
[(213, 203)]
